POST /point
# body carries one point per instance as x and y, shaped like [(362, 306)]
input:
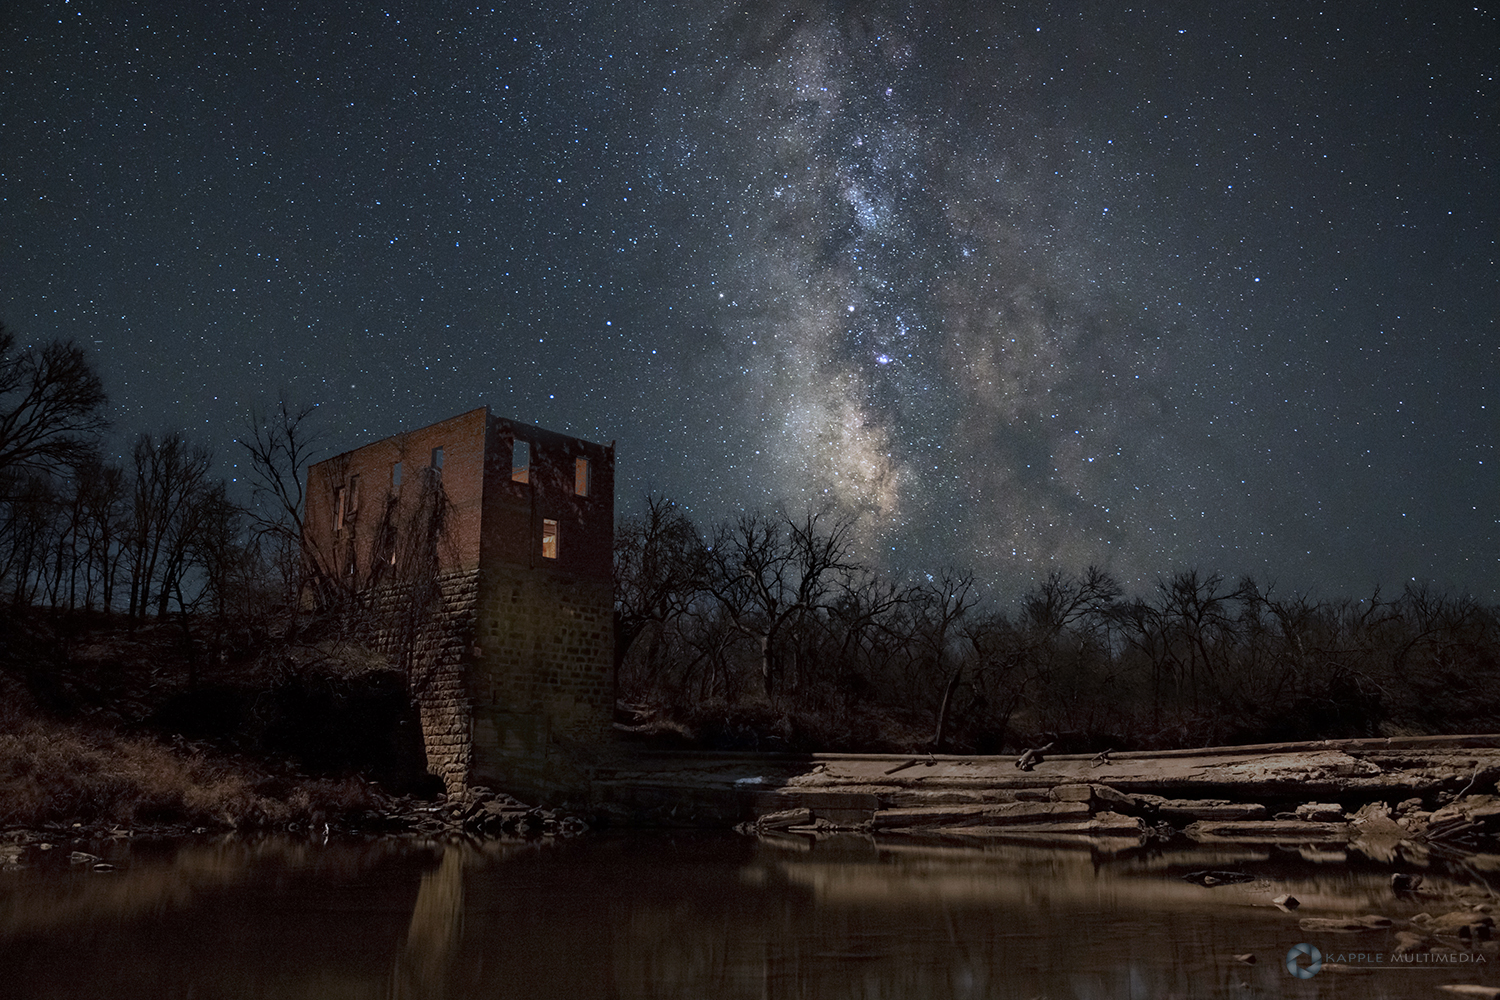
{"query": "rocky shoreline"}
[(1097, 812), (480, 814), (1387, 799), (1384, 797)]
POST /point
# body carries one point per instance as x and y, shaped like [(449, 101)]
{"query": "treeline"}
[(156, 534), (160, 534), (766, 632)]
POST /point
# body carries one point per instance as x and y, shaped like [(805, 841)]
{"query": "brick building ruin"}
[(476, 554)]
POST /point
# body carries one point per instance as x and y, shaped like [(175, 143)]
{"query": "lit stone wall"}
[(540, 682)]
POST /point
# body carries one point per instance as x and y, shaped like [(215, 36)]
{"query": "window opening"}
[(520, 462), (437, 461), (581, 477), (549, 539), (353, 495), (395, 474), (338, 509)]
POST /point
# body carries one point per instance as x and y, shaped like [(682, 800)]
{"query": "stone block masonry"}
[(428, 633), (541, 680)]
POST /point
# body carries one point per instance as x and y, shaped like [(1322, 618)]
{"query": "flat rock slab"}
[(900, 798), (1321, 812), (1073, 793), (1206, 831), (1347, 925), (1000, 814), (1316, 768), (1305, 771), (1212, 809), (1208, 785), (784, 818), (816, 800), (1103, 827)]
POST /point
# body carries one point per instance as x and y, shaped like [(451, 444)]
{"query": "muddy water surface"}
[(702, 917)]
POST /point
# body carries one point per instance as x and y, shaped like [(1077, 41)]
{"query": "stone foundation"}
[(541, 680), (510, 672)]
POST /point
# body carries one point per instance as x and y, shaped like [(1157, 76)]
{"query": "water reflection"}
[(435, 931), (665, 916)]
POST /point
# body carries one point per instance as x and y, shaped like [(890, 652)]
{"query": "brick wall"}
[(540, 682), (515, 510), (372, 498)]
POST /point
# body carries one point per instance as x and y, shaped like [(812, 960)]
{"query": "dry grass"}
[(56, 773)]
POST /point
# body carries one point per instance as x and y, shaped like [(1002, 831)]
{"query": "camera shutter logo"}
[(1314, 961)]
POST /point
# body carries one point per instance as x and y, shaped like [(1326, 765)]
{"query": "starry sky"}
[(1022, 286)]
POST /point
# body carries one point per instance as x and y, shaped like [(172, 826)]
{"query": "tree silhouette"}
[(51, 407)]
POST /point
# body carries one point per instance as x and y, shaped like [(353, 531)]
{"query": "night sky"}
[(1199, 284)]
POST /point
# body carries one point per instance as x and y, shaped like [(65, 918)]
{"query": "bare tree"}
[(51, 406), (1063, 600), (1195, 609), (769, 574), (29, 533), (874, 627), (103, 494), (1064, 628), (1002, 669), (942, 604), (229, 560), (281, 445), (171, 478), (659, 566)]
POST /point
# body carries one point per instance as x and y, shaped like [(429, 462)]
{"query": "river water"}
[(700, 916)]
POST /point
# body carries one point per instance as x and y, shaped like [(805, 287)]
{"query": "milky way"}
[(941, 291), (1022, 288)]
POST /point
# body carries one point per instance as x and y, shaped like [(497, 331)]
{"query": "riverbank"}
[(1390, 797), (67, 782)]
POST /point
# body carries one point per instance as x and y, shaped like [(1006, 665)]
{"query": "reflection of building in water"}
[(680, 916), (478, 552), (433, 938)]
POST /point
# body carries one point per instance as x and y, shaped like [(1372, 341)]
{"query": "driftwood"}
[(785, 818), (931, 760), (1032, 757)]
